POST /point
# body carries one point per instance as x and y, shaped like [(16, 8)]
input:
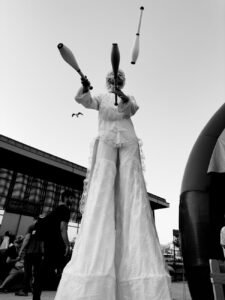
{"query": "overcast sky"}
[(178, 80)]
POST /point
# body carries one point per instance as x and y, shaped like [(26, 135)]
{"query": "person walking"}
[(15, 264), (47, 247), (56, 241), (33, 251)]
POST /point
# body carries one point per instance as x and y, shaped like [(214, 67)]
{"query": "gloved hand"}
[(119, 93), (86, 84)]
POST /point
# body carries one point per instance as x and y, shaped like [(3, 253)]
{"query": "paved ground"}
[(179, 292)]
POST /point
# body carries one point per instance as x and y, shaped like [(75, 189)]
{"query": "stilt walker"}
[(117, 255)]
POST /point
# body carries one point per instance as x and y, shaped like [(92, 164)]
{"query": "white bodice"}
[(115, 126)]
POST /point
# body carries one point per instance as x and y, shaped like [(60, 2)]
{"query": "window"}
[(5, 179)]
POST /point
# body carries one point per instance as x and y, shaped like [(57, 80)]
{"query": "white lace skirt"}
[(117, 255)]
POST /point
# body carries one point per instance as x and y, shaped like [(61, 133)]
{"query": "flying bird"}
[(77, 115)]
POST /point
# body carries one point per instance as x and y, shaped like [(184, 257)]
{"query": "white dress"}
[(117, 254)]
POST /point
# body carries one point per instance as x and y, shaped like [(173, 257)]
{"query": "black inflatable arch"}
[(201, 210)]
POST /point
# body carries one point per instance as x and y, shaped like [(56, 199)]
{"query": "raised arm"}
[(85, 98)]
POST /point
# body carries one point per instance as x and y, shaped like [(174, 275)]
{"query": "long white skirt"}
[(117, 254)]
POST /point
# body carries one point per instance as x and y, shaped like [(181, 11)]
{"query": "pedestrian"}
[(15, 265), (117, 255), (33, 251), (53, 248), (56, 241), (5, 242)]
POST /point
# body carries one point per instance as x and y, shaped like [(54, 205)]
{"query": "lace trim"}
[(142, 158), (104, 287), (87, 179), (117, 144)]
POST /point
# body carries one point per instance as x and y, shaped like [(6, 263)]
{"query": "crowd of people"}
[(35, 261)]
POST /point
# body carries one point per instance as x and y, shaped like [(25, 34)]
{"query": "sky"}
[(178, 80)]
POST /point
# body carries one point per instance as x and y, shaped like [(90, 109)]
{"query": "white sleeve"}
[(87, 100), (129, 108)]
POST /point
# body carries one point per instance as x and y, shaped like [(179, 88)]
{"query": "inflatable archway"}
[(201, 210)]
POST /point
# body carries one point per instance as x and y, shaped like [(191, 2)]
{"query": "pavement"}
[(180, 291), (46, 295)]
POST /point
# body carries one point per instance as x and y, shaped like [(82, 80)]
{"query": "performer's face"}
[(110, 80)]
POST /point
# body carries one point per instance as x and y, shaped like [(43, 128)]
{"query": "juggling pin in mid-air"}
[(68, 56), (136, 47), (115, 60)]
